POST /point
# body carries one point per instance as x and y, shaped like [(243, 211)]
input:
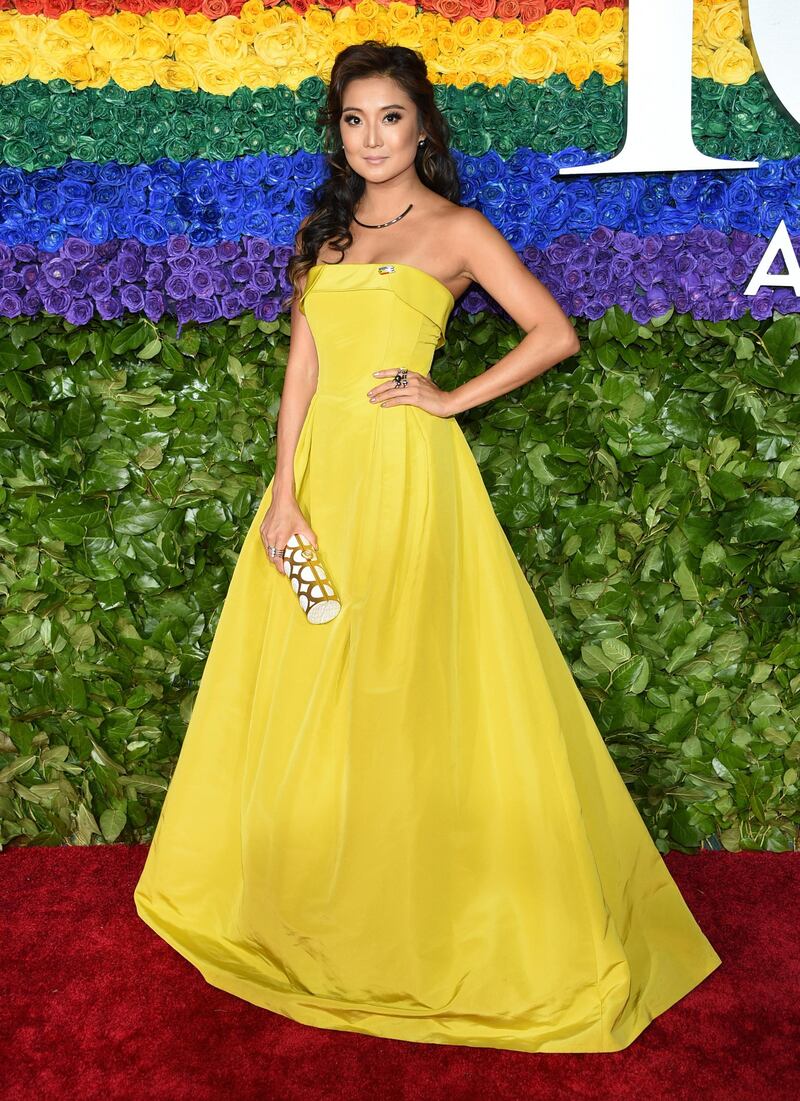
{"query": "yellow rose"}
[(253, 74), (368, 9), (75, 24), (315, 53), (18, 30), (462, 78), (198, 23), (701, 60), (611, 74), (578, 71), (295, 74), (577, 55), (612, 20), (224, 43), (731, 64), (132, 75), (430, 51), (512, 30), (14, 63), (153, 44), (79, 71), (699, 20), (57, 49), (269, 19), (280, 46), (127, 22), (219, 80), (534, 58), (400, 14), (250, 10), (174, 76), (609, 48), (492, 30), (448, 58), (169, 20), (30, 32), (318, 21), (405, 35), (559, 23), (109, 43), (366, 28), (488, 58), (724, 24), (465, 30), (588, 24), (41, 70), (247, 33), (190, 48)]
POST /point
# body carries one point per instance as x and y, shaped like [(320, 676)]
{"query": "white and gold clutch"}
[(304, 568)]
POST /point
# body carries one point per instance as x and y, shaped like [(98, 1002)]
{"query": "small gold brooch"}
[(385, 269)]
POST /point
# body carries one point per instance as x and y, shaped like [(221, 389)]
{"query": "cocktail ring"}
[(401, 378)]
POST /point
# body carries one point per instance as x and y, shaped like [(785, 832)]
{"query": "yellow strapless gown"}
[(405, 822)]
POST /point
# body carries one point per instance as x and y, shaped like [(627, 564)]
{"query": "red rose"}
[(507, 9), (531, 11), (448, 9), (51, 8), (336, 5), (28, 7), (482, 9), (215, 9), (98, 7)]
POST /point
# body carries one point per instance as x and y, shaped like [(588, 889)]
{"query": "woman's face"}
[(379, 127)]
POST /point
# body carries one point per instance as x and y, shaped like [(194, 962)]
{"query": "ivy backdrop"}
[(154, 167)]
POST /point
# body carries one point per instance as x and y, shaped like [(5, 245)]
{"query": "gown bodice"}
[(397, 320)]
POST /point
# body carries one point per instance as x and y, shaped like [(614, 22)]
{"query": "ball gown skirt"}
[(404, 822)]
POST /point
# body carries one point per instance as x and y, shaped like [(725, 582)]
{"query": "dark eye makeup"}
[(389, 114)]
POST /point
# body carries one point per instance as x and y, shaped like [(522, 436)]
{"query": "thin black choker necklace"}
[(382, 224)]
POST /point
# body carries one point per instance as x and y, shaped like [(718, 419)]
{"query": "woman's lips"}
[(375, 160)]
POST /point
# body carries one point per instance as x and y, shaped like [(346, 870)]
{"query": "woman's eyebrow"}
[(385, 106)]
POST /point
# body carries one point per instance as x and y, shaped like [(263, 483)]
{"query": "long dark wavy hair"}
[(336, 197)]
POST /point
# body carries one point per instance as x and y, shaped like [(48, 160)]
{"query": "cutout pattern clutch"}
[(309, 579)]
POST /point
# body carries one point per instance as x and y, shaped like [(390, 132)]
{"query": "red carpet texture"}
[(95, 1007)]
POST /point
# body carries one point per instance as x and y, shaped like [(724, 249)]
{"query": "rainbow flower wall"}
[(154, 165), (157, 160)]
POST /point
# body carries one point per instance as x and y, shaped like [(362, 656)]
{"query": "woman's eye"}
[(390, 115)]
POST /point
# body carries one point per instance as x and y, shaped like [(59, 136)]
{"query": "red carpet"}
[(95, 1007)]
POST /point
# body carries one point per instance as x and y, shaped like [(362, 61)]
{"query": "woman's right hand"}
[(282, 519)]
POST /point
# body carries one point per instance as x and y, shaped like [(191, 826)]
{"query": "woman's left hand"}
[(421, 390)]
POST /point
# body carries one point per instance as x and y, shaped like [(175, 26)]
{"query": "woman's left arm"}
[(550, 336)]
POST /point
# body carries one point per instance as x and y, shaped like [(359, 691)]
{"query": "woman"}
[(404, 821)]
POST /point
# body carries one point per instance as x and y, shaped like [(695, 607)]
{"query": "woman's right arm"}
[(284, 516), (299, 385)]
